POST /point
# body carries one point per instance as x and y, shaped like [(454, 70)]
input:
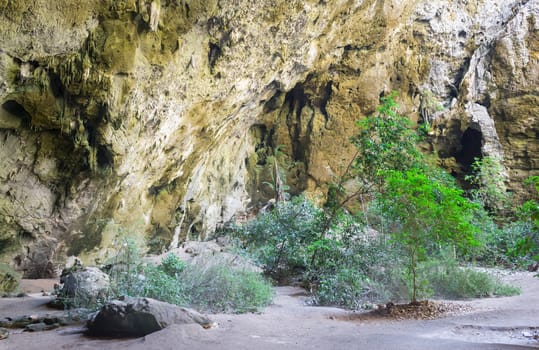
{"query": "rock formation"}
[(141, 316), (156, 119)]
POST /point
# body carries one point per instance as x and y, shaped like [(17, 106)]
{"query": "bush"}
[(353, 289), (163, 282), (367, 268), (515, 244), (448, 280), (488, 179), (206, 285), (9, 279), (215, 287), (279, 239), (347, 288)]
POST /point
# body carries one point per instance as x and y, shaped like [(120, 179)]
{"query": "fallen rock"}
[(46, 321), (141, 316), (4, 333), (195, 252), (533, 267), (18, 322), (41, 326), (82, 287)]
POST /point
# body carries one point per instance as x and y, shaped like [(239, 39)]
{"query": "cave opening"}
[(14, 108), (296, 100), (104, 156), (471, 141)]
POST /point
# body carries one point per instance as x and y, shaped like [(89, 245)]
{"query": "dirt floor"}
[(492, 323)]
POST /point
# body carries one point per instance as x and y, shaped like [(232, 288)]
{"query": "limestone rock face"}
[(158, 119)]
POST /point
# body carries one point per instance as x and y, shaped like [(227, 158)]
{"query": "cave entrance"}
[(13, 108), (472, 141)]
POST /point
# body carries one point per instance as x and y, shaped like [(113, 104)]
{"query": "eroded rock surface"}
[(82, 287), (141, 316), (159, 116)]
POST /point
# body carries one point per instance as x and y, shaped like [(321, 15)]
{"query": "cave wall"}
[(155, 119)]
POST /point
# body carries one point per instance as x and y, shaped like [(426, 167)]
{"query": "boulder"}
[(141, 316), (83, 287), (195, 252)]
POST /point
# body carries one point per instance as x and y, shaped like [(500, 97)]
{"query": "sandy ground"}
[(494, 323)]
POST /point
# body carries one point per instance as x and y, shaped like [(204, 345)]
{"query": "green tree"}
[(385, 141), (425, 209)]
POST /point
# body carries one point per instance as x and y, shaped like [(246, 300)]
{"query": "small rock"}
[(4, 333), (41, 326)]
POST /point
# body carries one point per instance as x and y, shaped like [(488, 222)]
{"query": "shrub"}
[(488, 177), (448, 280), (367, 268), (207, 285), (278, 239), (513, 244), (125, 267), (353, 289), (9, 279), (347, 288), (163, 282), (215, 287)]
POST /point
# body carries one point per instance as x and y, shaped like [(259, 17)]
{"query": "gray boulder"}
[(83, 287), (141, 316)]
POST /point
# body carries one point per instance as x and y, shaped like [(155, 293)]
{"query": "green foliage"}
[(125, 266), (172, 265), (527, 244), (513, 244), (347, 288), (507, 245), (9, 279), (207, 285), (425, 210), (369, 271), (385, 142), (529, 211), (162, 282), (352, 267), (448, 280), (279, 239), (490, 189), (213, 286), (416, 209), (533, 180)]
